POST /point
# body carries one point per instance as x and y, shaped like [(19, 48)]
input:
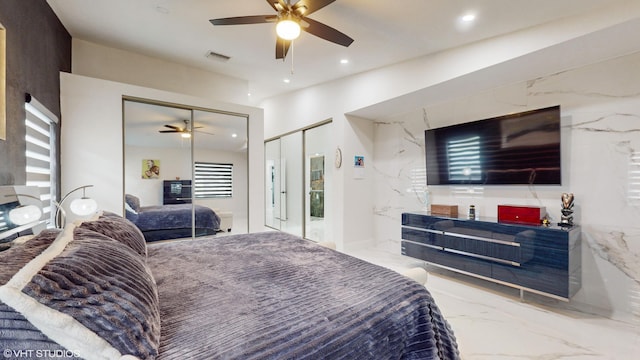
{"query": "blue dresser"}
[(538, 259)]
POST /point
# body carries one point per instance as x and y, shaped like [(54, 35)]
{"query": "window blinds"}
[(213, 180), (41, 151)]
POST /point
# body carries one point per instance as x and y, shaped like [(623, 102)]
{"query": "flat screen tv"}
[(176, 192), (514, 149)]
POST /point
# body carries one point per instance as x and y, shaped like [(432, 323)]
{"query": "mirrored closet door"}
[(318, 179), (284, 201), (189, 158), (297, 182)]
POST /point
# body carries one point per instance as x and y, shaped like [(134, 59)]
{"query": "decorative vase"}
[(567, 210)]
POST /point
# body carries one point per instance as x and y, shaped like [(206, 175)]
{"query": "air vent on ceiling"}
[(215, 56)]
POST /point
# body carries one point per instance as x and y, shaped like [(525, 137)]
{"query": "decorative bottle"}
[(427, 198)]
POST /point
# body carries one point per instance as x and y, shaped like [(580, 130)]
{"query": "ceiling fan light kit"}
[(288, 23), (288, 29)]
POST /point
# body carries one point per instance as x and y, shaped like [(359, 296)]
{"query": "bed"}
[(97, 290), (173, 221)]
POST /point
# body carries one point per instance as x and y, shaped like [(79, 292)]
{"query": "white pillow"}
[(128, 208)]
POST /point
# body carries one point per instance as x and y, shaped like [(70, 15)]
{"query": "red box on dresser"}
[(531, 215)]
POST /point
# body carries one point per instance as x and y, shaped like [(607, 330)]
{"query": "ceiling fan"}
[(290, 19), (185, 131)]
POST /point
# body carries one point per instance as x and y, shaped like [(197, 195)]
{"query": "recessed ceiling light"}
[(234, 135), (286, 81), (344, 61), (468, 17)]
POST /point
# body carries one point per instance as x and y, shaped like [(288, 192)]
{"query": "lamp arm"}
[(58, 207), (72, 191), (60, 210)]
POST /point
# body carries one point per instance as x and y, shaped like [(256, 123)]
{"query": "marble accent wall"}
[(600, 106)]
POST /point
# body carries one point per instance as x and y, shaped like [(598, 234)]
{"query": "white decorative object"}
[(427, 198), (338, 159), (25, 214)]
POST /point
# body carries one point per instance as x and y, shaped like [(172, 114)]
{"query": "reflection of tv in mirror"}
[(176, 192), (522, 148), (176, 188)]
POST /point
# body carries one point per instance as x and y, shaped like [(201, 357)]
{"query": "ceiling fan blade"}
[(169, 131), (282, 47), (277, 5), (244, 20), (310, 5), (204, 132), (326, 32), (172, 127)]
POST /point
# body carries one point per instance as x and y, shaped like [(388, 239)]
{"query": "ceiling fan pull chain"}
[(292, 57)]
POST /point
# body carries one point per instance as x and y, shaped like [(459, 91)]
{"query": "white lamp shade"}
[(83, 206), (23, 215), (288, 29)]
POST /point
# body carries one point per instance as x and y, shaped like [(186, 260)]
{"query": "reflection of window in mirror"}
[(3, 82)]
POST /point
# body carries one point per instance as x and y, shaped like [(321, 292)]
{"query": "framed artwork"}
[(150, 169), (358, 167)]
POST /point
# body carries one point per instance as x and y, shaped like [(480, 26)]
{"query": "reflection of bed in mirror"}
[(154, 130), (173, 221)]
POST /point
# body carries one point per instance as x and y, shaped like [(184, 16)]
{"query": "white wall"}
[(92, 144), (600, 106), (487, 79), (98, 61), (174, 162), (357, 184), (399, 88)]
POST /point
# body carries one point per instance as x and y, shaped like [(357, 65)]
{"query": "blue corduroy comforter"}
[(174, 221), (275, 296)]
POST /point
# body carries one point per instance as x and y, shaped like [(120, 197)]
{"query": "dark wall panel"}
[(38, 48)]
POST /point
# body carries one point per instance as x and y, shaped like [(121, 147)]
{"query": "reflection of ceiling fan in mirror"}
[(185, 131)]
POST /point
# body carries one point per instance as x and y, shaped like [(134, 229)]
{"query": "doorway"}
[(298, 183)]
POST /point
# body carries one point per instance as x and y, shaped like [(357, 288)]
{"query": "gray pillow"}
[(87, 293), (133, 202), (120, 229)]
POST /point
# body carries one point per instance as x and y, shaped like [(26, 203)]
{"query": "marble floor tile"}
[(491, 321)]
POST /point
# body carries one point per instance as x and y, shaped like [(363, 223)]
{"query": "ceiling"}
[(385, 32)]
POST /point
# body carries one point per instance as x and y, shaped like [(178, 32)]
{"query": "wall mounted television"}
[(514, 149)]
